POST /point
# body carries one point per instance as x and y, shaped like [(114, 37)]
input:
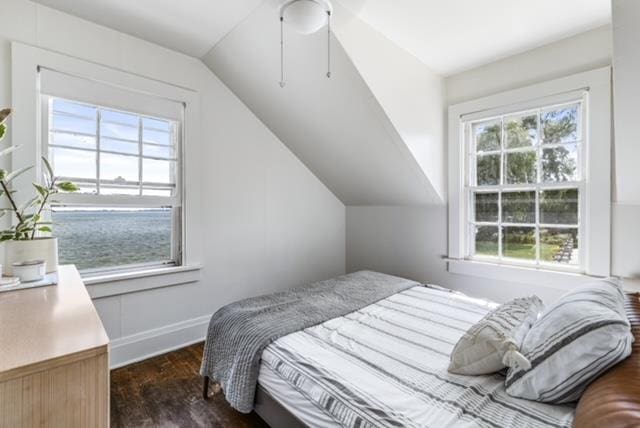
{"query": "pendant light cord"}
[(328, 44), (282, 52)]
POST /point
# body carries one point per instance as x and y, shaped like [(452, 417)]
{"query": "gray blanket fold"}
[(240, 331)]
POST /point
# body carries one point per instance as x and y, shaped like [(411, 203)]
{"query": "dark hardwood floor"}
[(166, 391)]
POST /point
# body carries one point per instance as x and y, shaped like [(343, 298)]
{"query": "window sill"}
[(558, 280), (115, 284)]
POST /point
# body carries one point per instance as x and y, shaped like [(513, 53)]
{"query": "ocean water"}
[(99, 239)]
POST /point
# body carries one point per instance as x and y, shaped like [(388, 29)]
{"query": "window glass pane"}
[(486, 206), (73, 163), (119, 146), (110, 130), (119, 190), (156, 137), (131, 120), (158, 125), (519, 242), (521, 131), (520, 167), (73, 124), (559, 245), (102, 238), (157, 192), (71, 140), (65, 106), (559, 206), (519, 207), (486, 240), (561, 125), (560, 164), (157, 171), (158, 151), (118, 168), (488, 136), (488, 170)]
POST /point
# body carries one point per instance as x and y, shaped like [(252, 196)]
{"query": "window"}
[(127, 213), (524, 185), (530, 182)]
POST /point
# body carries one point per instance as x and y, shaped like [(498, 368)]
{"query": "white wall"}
[(411, 241), (411, 94), (626, 101), (336, 126), (268, 223)]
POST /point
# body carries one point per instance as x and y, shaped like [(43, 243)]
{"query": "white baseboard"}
[(140, 346)]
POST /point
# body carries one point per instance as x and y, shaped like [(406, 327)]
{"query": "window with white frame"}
[(530, 180), (525, 185), (127, 214)]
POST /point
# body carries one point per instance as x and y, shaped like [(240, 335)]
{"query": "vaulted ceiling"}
[(373, 132), (446, 35)]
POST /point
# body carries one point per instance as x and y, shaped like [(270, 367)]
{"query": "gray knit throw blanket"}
[(240, 331)]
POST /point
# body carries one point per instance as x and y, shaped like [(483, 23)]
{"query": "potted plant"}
[(23, 240)]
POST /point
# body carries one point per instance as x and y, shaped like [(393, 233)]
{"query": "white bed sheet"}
[(297, 404), (385, 365)]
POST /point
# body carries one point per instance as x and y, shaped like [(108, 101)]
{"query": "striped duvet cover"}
[(386, 366)]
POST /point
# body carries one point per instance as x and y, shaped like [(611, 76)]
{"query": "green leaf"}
[(4, 114), (8, 149), (41, 189), (3, 174), (45, 229), (3, 131), (67, 186), (48, 168), (17, 173)]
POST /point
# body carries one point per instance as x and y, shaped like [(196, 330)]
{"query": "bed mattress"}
[(386, 365)]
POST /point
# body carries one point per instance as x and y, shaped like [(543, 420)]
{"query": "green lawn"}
[(518, 251)]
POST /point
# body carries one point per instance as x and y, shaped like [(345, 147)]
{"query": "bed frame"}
[(612, 400)]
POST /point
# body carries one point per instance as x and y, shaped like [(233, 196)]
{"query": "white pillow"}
[(492, 343), (574, 341)]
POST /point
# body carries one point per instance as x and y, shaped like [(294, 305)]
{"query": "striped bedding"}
[(386, 366)]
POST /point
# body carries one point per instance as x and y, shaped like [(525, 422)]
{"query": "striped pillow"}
[(579, 337), (492, 343)]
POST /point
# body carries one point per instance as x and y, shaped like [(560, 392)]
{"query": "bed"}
[(385, 365)]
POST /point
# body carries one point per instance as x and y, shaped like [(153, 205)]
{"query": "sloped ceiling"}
[(451, 36), (188, 26), (373, 132), (335, 126)]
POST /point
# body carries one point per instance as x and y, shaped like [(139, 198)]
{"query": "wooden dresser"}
[(54, 357)]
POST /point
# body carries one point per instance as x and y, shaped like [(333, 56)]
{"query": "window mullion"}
[(538, 182), (502, 183)]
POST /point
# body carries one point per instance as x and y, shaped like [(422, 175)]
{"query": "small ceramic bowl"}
[(29, 271)]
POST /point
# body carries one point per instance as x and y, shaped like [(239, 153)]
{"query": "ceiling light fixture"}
[(305, 17)]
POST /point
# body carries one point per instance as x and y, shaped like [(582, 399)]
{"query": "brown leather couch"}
[(613, 400)]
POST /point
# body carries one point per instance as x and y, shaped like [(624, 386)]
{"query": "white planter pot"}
[(36, 249)]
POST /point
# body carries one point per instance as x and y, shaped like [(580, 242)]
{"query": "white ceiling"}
[(188, 26), (335, 126), (450, 36), (447, 35)]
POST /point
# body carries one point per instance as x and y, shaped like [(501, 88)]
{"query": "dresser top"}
[(45, 324)]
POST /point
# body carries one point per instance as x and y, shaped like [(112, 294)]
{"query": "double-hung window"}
[(127, 163), (525, 185), (529, 179)]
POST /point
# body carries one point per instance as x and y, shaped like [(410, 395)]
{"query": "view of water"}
[(99, 239)]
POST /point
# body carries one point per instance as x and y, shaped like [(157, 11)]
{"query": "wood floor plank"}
[(165, 391)]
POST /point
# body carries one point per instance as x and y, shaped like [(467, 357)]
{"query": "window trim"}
[(596, 157), (26, 63)]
